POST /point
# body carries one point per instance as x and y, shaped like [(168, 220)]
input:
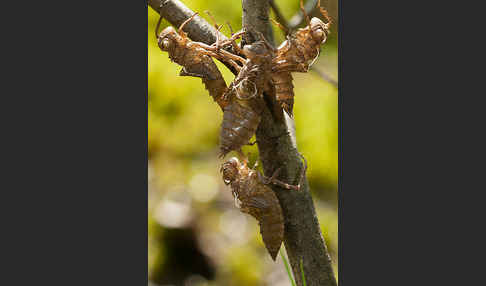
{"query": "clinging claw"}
[(218, 28), (185, 22), (304, 12), (324, 13), (273, 180)]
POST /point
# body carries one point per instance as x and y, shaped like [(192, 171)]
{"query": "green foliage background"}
[(185, 186)]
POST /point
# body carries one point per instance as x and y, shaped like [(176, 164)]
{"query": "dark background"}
[(76, 144)]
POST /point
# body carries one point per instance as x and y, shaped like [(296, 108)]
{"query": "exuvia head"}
[(170, 35), (230, 170), (166, 38), (319, 29)]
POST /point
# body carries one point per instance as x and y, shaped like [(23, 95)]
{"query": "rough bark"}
[(176, 12), (303, 238)]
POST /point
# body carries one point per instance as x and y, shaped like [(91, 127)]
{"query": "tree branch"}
[(176, 12), (255, 18), (303, 237)]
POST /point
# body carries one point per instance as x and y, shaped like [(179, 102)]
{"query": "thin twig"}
[(324, 76), (298, 18), (278, 14)]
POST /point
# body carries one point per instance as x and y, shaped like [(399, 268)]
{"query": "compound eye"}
[(164, 44), (320, 34)]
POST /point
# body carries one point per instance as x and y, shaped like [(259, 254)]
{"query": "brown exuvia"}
[(242, 103), (245, 96), (255, 198), (195, 57), (297, 54)]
